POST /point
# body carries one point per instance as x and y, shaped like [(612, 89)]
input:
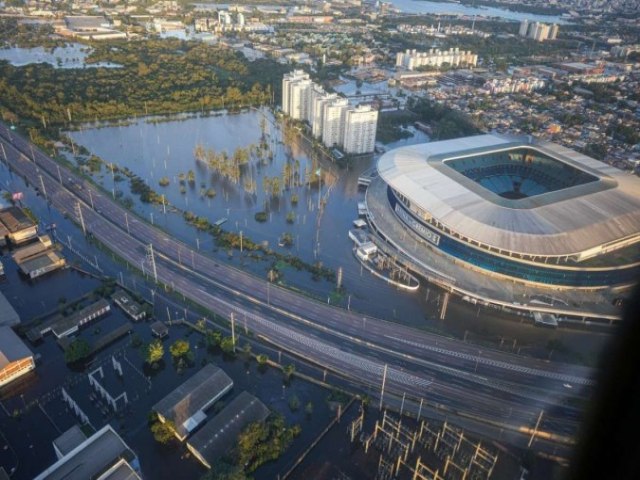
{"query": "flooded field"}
[(73, 55)]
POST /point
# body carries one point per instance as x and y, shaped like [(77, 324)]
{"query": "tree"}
[(77, 350), (288, 371), (155, 352), (163, 432), (179, 349), (227, 345), (262, 359), (294, 403), (212, 339), (263, 442), (308, 408)]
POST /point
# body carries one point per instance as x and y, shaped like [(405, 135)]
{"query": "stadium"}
[(531, 213)]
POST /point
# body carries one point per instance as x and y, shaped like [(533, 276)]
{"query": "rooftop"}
[(15, 219), (568, 221), (94, 456), (218, 435), (8, 316), (11, 347), (120, 471), (184, 405), (69, 440)]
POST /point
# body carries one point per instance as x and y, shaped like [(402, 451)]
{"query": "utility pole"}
[(4, 154), (240, 241), (233, 331), (91, 200), (126, 221), (384, 380), (535, 430), (80, 217), (59, 175), (151, 259), (44, 190), (319, 186)]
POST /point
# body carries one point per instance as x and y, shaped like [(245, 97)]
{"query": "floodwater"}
[(73, 55), (156, 147)]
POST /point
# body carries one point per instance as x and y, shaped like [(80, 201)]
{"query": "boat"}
[(380, 264)]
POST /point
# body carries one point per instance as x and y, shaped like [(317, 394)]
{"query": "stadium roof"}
[(564, 222), (184, 406)]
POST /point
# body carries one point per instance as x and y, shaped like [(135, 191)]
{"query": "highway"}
[(458, 378)]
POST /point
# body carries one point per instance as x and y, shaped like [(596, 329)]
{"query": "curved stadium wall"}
[(517, 177)]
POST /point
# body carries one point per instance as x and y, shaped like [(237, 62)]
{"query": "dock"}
[(366, 177)]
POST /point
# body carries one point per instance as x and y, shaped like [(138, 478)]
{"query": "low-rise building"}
[(8, 316), (218, 435), (184, 407), (132, 308), (104, 455), (15, 358), (19, 228)]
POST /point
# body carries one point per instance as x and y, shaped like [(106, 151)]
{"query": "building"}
[(291, 104), (538, 31), (333, 122), (319, 106), (218, 435), (38, 258), (69, 440), (18, 227), (8, 316), (132, 308), (159, 329), (104, 455), (65, 326), (524, 28), (360, 130), (15, 358), (495, 215), (185, 405), (412, 59), (327, 114)]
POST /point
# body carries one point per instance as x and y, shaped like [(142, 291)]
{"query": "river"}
[(443, 8)]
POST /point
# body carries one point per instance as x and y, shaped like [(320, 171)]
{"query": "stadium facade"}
[(514, 209)]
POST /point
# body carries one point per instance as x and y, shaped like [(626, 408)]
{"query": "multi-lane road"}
[(484, 387)]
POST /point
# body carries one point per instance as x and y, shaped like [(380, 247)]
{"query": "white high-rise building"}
[(538, 31), (331, 117), (524, 28), (360, 130), (299, 100), (319, 109), (240, 19), (288, 81), (333, 122)]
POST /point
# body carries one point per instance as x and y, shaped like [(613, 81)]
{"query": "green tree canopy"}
[(77, 350), (155, 352), (179, 348)]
